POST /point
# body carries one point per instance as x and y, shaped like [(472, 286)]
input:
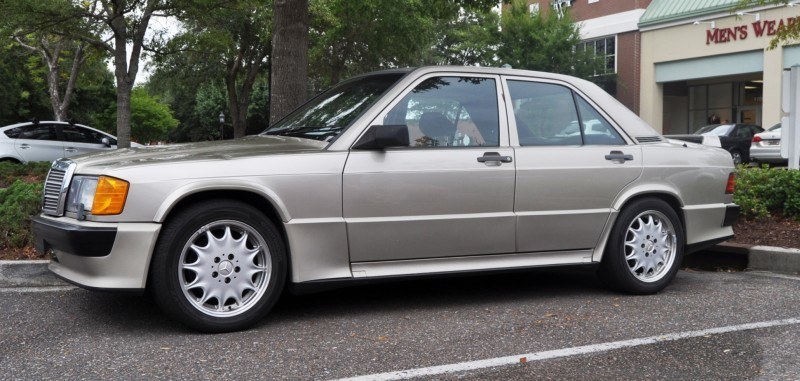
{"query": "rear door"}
[(39, 142), (571, 164)]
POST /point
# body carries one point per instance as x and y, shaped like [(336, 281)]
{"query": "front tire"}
[(645, 248), (218, 266)]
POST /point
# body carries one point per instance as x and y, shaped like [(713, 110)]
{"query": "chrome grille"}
[(55, 187), (52, 191)]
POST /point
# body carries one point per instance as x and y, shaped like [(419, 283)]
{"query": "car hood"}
[(251, 146)]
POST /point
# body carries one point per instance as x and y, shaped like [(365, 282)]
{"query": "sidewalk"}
[(724, 256)]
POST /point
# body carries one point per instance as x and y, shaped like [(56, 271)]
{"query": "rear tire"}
[(218, 266), (737, 157), (645, 248)]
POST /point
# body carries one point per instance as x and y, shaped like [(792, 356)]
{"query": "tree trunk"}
[(289, 75)]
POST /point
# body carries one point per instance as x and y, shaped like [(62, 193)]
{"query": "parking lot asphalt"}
[(68, 333)]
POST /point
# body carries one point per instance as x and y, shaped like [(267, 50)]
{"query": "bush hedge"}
[(762, 192)]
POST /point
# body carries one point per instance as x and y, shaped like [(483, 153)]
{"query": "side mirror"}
[(106, 141), (382, 137)]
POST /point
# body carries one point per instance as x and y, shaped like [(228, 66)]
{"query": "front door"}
[(450, 193)]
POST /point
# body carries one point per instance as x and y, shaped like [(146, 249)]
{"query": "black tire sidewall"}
[(614, 269), (165, 285)]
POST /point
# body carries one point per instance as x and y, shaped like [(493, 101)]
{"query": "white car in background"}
[(50, 140), (766, 146)]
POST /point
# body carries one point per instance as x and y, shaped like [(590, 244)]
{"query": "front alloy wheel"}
[(224, 268), (218, 266)]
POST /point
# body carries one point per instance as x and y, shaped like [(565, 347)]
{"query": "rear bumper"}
[(766, 154), (731, 215), (708, 224), (120, 257)]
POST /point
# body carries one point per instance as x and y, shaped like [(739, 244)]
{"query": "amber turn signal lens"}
[(109, 198), (729, 188)]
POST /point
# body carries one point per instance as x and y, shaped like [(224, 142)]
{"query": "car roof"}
[(10, 126)]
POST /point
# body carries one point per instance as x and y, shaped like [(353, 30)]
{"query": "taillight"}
[(729, 188), (756, 138)]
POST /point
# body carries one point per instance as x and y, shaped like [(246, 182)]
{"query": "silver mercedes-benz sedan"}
[(435, 170)]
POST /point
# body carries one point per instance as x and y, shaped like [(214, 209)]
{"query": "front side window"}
[(330, 113), (81, 135), (552, 115), (449, 112)]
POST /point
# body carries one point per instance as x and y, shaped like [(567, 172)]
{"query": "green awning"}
[(664, 11)]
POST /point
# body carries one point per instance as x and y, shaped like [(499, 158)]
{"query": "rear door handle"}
[(70, 149), (24, 146), (494, 157), (618, 156)]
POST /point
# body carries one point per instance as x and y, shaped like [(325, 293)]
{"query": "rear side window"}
[(38, 132), (553, 115)]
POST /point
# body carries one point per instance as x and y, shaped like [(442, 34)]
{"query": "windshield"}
[(331, 112), (715, 130)]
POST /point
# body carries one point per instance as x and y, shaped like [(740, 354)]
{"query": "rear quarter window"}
[(13, 133)]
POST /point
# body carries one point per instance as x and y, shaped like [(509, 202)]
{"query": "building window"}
[(605, 47)]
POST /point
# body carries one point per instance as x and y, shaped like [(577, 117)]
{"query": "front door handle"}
[(494, 157), (619, 156)]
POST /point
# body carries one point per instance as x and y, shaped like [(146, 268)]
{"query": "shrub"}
[(763, 191), (18, 203), (29, 172)]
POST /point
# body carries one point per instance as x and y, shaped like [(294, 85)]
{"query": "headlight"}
[(101, 195)]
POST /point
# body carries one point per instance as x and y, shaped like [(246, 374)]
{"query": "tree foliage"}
[(543, 41), (786, 34)]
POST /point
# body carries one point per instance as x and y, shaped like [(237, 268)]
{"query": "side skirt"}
[(371, 272)]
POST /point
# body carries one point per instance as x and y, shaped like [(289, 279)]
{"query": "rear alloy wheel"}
[(219, 266), (645, 248)]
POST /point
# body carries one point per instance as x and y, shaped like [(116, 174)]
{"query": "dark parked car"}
[(734, 138)]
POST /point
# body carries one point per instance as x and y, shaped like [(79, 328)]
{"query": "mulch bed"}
[(776, 231)]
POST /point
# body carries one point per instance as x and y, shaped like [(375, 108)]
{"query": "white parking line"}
[(36, 289), (774, 275), (566, 352)]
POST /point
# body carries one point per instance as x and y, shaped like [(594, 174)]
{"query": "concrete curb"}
[(34, 273), (761, 258), (30, 273)]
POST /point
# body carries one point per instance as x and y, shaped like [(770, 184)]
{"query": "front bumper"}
[(97, 255)]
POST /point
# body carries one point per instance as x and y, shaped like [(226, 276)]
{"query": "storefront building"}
[(699, 59)]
